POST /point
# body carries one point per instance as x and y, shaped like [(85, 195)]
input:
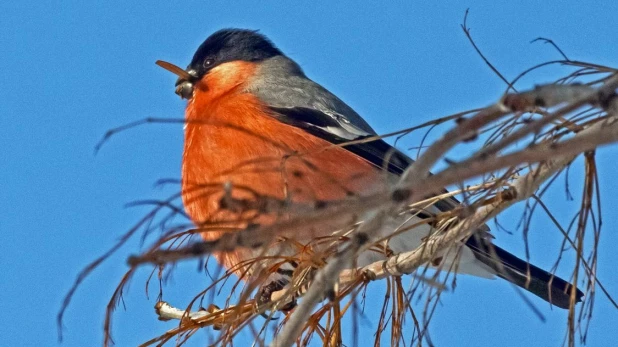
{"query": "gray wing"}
[(281, 84)]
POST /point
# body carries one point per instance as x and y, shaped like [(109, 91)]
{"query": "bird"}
[(251, 112)]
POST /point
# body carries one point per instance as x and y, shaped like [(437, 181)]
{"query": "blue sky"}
[(73, 70)]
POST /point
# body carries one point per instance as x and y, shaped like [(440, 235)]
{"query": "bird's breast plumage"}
[(230, 137)]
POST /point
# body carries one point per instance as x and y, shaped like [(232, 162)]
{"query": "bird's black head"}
[(224, 46), (230, 45)]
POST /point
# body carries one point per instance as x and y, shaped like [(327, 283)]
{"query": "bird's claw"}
[(264, 295)]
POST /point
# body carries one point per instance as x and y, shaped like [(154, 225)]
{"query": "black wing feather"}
[(377, 152)]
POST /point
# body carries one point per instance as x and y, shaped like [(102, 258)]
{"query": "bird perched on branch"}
[(255, 122)]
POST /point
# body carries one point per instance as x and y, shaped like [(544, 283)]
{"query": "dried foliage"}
[(524, 141)]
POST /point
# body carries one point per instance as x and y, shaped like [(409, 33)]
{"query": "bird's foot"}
[(278, 286)]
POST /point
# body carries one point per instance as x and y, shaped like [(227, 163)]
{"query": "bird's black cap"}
[(230, 45)]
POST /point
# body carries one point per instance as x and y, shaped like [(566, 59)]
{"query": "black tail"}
[(539, 282)]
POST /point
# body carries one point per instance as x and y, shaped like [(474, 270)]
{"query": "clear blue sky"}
[(72, 69)]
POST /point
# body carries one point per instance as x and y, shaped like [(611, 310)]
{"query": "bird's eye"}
[(209, 62)]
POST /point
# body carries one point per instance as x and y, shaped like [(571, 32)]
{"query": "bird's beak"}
[(186, 79)]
